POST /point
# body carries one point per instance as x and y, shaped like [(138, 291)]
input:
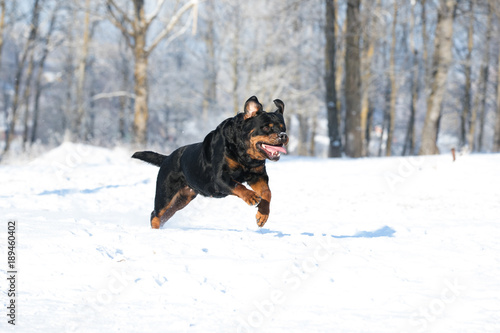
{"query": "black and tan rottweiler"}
[(232, 154)]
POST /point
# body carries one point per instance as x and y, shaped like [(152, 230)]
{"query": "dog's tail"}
[(150, 157)]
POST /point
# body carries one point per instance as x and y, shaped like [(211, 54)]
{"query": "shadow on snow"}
[(382, 232)]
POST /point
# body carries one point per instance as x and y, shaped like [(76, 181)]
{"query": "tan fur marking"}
[(250, 197), (155, 223), (179, 201), (259, 169), (262, 189), (232, 164), (253, 151)]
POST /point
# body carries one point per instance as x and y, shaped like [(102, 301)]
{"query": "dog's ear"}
[(252, 106), (281, 106)]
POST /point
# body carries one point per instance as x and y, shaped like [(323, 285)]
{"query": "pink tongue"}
[(275, 149)]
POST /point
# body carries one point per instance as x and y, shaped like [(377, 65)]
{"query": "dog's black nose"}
[(282, 136)]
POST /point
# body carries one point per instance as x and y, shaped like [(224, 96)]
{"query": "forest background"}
[(358, 77)]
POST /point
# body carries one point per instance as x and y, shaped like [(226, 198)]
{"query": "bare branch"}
[(170, 26), (178, 33), (115, 20), (159, 5), (113, 94), (112, 3)]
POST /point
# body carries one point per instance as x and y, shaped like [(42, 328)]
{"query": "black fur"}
[(228, 156), (150, 156)]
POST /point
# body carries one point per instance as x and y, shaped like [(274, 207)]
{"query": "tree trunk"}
[(312, 141), (385, 120), (124, 111), (392, 79), (366, 63), (479, 99), (466, 111), (69, 75), (339, 64), (409, 143), (36, 107), (81, 73), (425, 42), (2, 28), (141, 93), (19, 74), (302, 148), (485, 66), (38, 79), (335, 145), (121, 118), (141, 114), (354, 132), (442, 58), (496, 138), (27, 95)]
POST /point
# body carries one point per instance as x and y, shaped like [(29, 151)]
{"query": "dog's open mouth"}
[(272, 151)]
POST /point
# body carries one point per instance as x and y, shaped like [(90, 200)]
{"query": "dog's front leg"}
[(261, 187), (250, 197)]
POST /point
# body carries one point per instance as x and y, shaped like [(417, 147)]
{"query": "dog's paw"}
[(252, 198), (155, 223), (261, 219)]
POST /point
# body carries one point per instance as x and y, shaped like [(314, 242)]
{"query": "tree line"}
[(359, 77)]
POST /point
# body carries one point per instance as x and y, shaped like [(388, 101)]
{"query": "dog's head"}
[(265, 132)]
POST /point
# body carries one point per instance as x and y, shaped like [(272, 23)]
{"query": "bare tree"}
[(409, 143), (392, 80), (425, 43), (370, 22), (27, 93), (354, 135), (443, 45), (134, 28), (28, 48), (335, 146), (124, 99), (480, 97), (2, 28), (340, 33), (485, 66), (353, 78), (47, 44), (80, 75), (466, 111), (496, 137)]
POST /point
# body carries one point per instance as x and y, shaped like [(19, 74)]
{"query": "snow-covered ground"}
[(367, 245)]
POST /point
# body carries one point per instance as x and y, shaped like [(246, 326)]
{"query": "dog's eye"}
[(266, 129)]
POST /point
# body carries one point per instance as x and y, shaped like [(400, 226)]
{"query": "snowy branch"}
[(152, 17), (170, 26), (113, 94)]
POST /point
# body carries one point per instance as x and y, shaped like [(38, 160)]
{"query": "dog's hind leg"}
[(180, 200)]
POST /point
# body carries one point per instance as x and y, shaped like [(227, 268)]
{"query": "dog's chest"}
[(242, 173)]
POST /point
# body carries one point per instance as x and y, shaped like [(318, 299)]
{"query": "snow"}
[(352, 245)]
